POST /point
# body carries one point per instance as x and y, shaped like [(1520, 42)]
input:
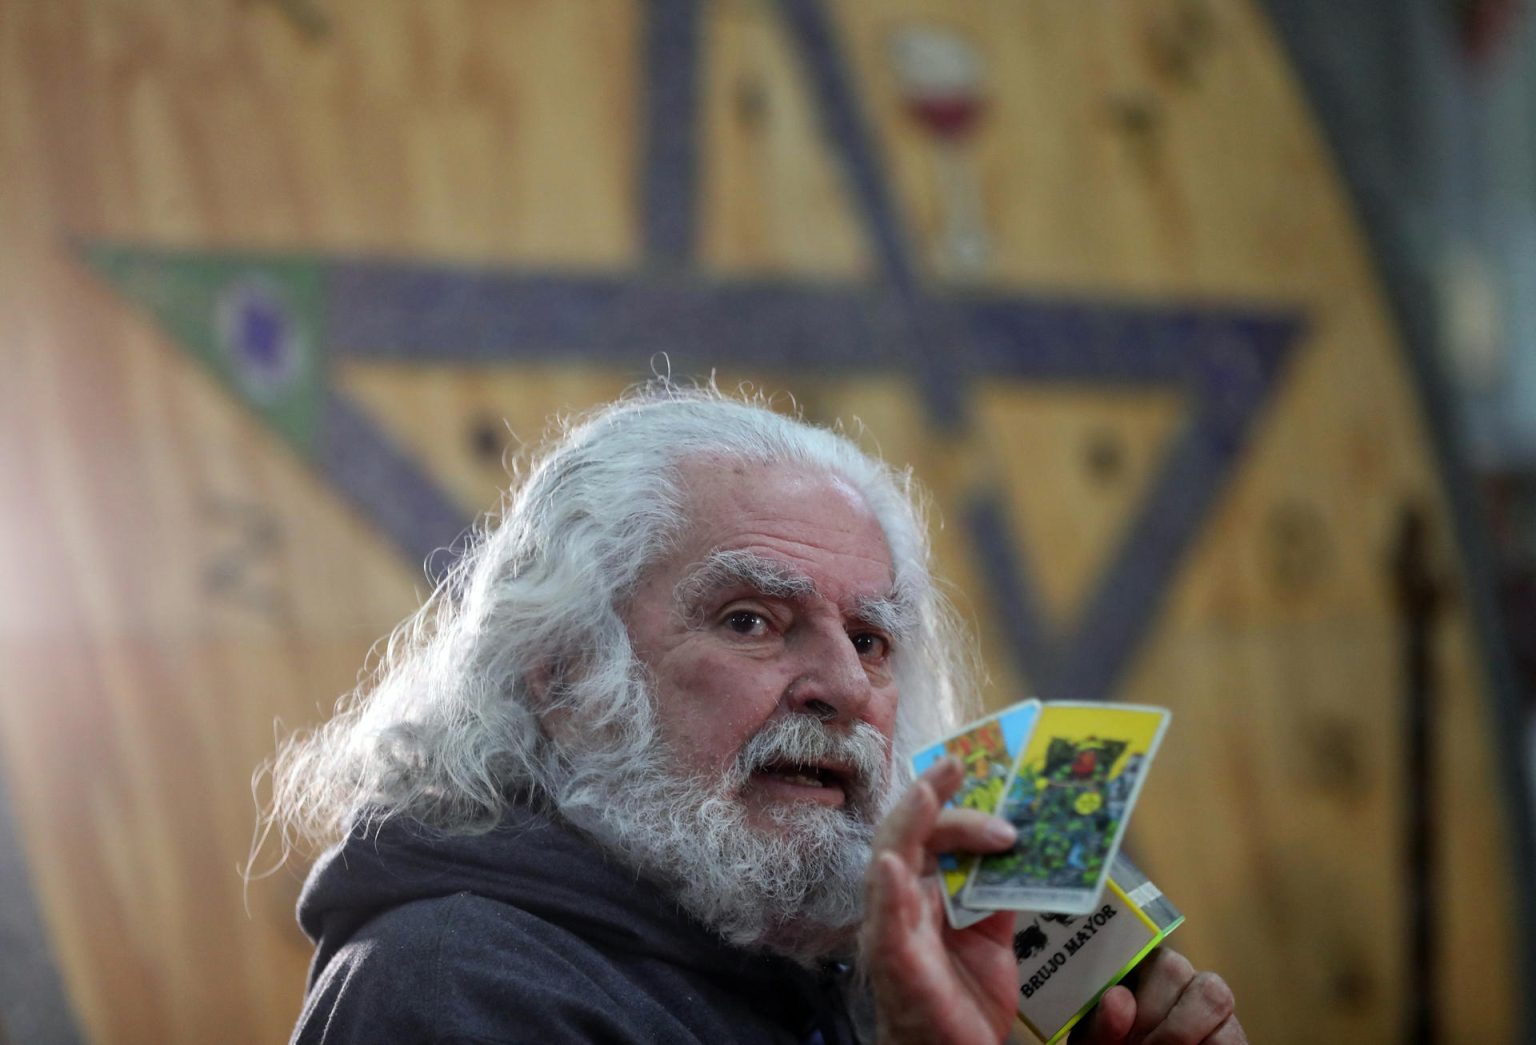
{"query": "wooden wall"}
[(177, 575)]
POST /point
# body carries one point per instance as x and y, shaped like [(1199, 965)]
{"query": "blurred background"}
[(1210, 324)]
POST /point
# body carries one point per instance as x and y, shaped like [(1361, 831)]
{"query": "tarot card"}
[(988, 748), (1070, 796)]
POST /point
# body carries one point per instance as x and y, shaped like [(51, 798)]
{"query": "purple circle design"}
[(261, 339)]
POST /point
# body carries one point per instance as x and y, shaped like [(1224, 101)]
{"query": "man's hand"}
[(1163, 1002), (934, 983)]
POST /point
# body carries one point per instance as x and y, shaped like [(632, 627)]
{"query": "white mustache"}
[(801, 738)]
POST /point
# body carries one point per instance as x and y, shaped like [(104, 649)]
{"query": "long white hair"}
[(446, 730)]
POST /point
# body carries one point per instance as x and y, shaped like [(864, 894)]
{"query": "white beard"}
[(794, 886)]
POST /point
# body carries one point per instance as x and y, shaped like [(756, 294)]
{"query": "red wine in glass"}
[(950, 117)]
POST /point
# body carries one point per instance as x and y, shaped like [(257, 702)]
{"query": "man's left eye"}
[(871, 644), (745, 622)]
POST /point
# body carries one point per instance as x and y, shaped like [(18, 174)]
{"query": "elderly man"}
[(637, 771)]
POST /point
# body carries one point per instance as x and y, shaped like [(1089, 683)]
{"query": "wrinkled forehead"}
[(710, 480), (808, 517)]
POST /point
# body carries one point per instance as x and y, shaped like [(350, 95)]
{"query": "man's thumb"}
[(1110, 1021)]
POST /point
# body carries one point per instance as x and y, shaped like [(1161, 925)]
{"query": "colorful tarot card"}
[(988, 748), (1070, 796)]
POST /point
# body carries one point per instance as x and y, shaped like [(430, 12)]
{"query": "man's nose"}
[(832, 683)]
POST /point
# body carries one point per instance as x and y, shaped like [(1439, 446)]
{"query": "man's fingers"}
[(919, 827), (896, 900), (1110, 1021), (970, 831), (998, 926), (1202, 1014), (1171, 1005), (944, 776), (906, 828), (1229, 1033), (1159, 982), (899, 931)]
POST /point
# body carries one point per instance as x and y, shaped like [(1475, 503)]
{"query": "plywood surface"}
[(176, 577)]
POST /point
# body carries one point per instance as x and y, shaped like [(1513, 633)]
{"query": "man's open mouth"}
[(832, 780)]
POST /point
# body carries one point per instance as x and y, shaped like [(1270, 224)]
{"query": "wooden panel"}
[(184, 578), (773, 197), (1097, 452)]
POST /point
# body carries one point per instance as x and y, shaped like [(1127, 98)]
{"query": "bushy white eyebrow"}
[(726, 569), (892, 614)]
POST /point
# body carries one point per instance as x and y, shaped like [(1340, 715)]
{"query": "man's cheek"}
[(710, 729), (721, 686), (883, 713)]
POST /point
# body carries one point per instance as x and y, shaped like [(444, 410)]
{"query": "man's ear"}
[(546, 683), (549, 688)]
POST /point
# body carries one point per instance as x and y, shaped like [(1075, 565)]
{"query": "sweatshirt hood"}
[(530, 861)]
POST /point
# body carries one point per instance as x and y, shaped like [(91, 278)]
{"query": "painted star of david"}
[(271, 326)]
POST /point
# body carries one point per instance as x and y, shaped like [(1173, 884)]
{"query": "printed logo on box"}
[(1065, 961)]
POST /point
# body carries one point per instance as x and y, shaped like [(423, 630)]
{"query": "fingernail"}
[(1001, 831)]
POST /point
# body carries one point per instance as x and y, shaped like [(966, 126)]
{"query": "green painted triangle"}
[(255, 321)]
